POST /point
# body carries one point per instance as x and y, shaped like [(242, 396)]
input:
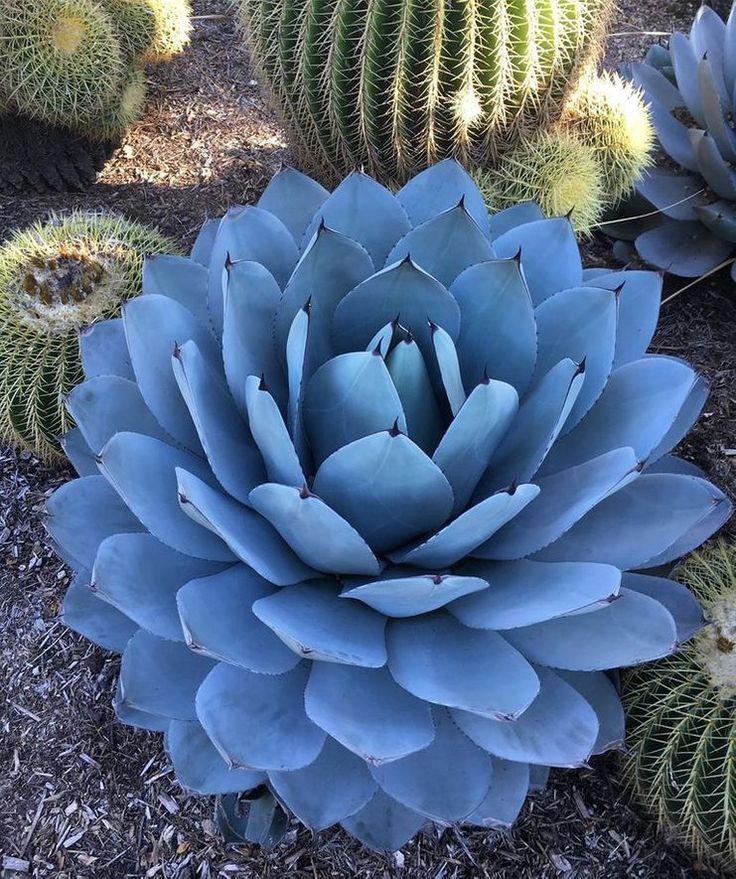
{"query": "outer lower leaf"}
[(687, 416), (599, 692), (383, 824), (257, 721), (294, 198), (522, 593), (318, 535), (217, 620), (675, 195), (312, 621), (104, 351), (685, 249), (558, 729), (96, 620), (446, 781), (199, 767), (179, 278), (505, 797), (78, 452), (149, 489), (441, 661), (411, 596), (202, 247), (161, 677), (336, 785), (679, 601), (386, 487), (134, 717), (367, 711)]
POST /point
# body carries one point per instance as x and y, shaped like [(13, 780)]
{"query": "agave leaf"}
[(140, 576), (469, 530), (638, 311), (402, 291), (251, 299), (714, 101), (81, 514), (247, 534), (96, 620), (181, 279), (312, 621), (104, 351), (715, 169), (318, 535), (675, 195), (630, 630), (106, 404), (411, 596), (550, 258), (365, 211), (637, 408), (686, 249), (294, 198), (729, 53), (257, 721), (651, 514), (202, 247), (383, 824), (445, 781), (522, 593), (467, 447), (381, 342), (599, 692), (498, 334), (134, 717), (510, 218), (656, 85), (271, 435), (228, 444), (79, 453), (449, 366), (686, 72), (720, 218), (367, 711), (558, 729), (337, 784), (505, 797), (687, 416), (539, 421), (679, 601), (386, 488), (673, 136), (589, 317), (199, 767), (149, 489), (331, 266), (249, 233), (218, 621), (564, 499), (439, 188), (349, 397), (671, 464), (154, 327), (444, 245), (445, 663), (707, 36), (161, 677), (408, 374), (264, 823)]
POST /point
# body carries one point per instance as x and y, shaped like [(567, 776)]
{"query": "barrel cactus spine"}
[(125, 110), (55, 279), (172, 30), (394, 87), (136, 26), (306, 453)]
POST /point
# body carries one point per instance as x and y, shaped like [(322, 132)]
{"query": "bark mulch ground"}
[(83, 797)]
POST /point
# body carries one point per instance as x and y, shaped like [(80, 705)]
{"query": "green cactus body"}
[(395, 86), (56, 279), (682, 720), (135, 23)]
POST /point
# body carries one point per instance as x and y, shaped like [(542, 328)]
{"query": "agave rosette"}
[(691, 91), (361, 483)]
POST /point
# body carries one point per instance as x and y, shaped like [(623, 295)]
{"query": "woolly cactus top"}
[(361, 483)]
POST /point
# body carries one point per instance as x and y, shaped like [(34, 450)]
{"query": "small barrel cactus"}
[(695, 230), (61, 59), (56, 279), (126, 109), (396, 86), (172, 32), (361, 485), (554, 169), (682, 719)]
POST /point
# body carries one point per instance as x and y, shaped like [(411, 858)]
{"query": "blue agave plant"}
[(362, 484), (691, 90)]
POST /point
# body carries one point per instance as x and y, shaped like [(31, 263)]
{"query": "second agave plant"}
[(373, 492)]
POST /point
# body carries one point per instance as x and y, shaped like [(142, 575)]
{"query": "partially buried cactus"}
[(361, 483)]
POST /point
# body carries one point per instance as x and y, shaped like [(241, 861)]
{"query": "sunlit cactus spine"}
[(135, 23), (682, 719), (172, 29), (61, 60), (554, 169), (56, 279), (396, 86), (126, 109)]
